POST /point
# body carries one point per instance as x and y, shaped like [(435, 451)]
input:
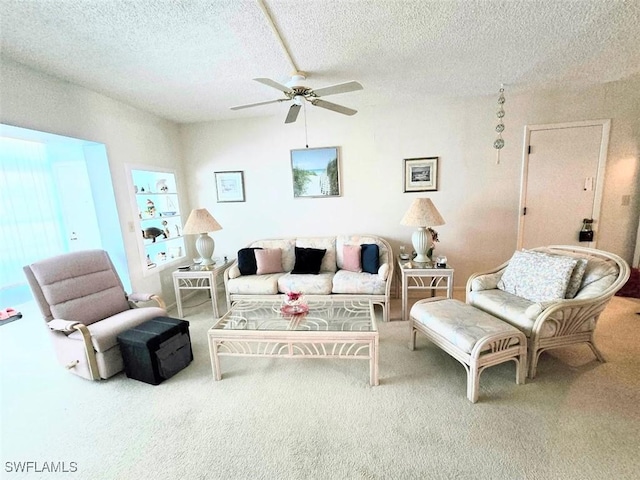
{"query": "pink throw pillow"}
[(351, 258), (268, 260)]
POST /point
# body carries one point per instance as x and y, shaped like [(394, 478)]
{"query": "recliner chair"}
[(85, 306)]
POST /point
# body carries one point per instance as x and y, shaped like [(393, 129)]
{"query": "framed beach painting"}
[(315, 172), (421, 174), (230, 186)]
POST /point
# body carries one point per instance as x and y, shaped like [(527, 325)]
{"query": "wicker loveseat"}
[(332, 280), (595, 277)]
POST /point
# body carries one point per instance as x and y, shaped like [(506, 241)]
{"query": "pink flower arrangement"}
[(293, 296)]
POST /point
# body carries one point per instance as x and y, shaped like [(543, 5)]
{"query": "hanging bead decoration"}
[(499, 143)]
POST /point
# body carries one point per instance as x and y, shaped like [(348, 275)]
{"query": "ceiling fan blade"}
[(293, 114), (240, 107), (332, 106), (274, 84), (339, 88)]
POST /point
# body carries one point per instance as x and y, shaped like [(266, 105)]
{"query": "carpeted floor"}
[(312, 419)]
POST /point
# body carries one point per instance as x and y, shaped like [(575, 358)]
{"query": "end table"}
[(421, 276), (199, 278)]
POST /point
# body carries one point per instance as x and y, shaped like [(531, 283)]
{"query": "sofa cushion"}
[(254, 284), (308, 260), (345, 281), (518, 311), (536, 276), (506, 306), (326, 243), (268, 260), (352, 260), (284, 244), (247, 261), (370, 253), (308, 284)]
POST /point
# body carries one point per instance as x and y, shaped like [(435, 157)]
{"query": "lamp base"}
[(421, 239), (205, 246)]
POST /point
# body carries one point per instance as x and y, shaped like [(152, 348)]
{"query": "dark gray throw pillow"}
[(308, 260), (370, 257), (247, 260)]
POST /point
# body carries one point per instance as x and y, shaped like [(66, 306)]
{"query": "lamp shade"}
[(200, 221), (422, 213)]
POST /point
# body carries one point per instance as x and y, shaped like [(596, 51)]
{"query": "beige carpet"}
[(308, 419)]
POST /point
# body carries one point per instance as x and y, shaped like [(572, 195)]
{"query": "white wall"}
[(37, 101), (477, 197)]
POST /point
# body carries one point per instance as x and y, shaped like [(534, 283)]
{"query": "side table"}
[(421, 276), (199, 278)]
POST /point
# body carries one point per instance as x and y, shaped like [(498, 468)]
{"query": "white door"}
[(563, 172)]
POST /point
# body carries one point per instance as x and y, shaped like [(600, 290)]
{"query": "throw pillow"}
[(351, 258), (308, 260), (247, 260), (370, 257), (268, 260), (538, 277), (576, 278)]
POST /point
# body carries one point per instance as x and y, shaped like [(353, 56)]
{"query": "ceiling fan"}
[(297, 93)]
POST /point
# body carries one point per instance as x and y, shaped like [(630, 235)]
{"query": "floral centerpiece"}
[(434, 240), (294, 303), (294, 298)]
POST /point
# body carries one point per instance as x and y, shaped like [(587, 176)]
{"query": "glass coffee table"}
[(330, 329)]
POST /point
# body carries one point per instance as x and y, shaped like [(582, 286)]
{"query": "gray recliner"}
[(85, 306)]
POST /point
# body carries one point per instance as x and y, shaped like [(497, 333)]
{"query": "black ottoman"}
[(156, 349)]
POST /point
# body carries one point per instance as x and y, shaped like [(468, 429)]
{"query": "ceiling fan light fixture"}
[(298, 99)]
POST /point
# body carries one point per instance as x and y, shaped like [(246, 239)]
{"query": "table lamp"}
[(422, 214), (201, 222)]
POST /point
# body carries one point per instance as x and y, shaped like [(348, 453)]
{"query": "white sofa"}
[(332, 280), (554, 323)]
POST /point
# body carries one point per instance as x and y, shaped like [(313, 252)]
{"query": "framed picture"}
[(421, 174), (315, 172), (230, 186)]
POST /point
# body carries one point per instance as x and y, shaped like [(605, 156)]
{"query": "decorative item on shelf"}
[(499, 143), (167, 233), (151, 208), (403, 253), (201, 222), (441, 261), (161, 185), (153, 233), (294, 304), (422, 213)]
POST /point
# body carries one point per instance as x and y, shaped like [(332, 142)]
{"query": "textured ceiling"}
[(191, 60)]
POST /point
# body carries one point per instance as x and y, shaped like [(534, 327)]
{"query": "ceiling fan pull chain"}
[(306, 136)]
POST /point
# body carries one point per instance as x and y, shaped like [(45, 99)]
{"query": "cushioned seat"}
[(85, 307), (475, 338), (355, 267), (310, 284), (554, 295), (348, 282), (253, 284)]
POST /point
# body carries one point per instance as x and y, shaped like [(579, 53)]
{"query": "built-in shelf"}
[(158, 216)]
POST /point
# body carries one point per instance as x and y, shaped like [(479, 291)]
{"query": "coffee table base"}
[(294, 344)]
